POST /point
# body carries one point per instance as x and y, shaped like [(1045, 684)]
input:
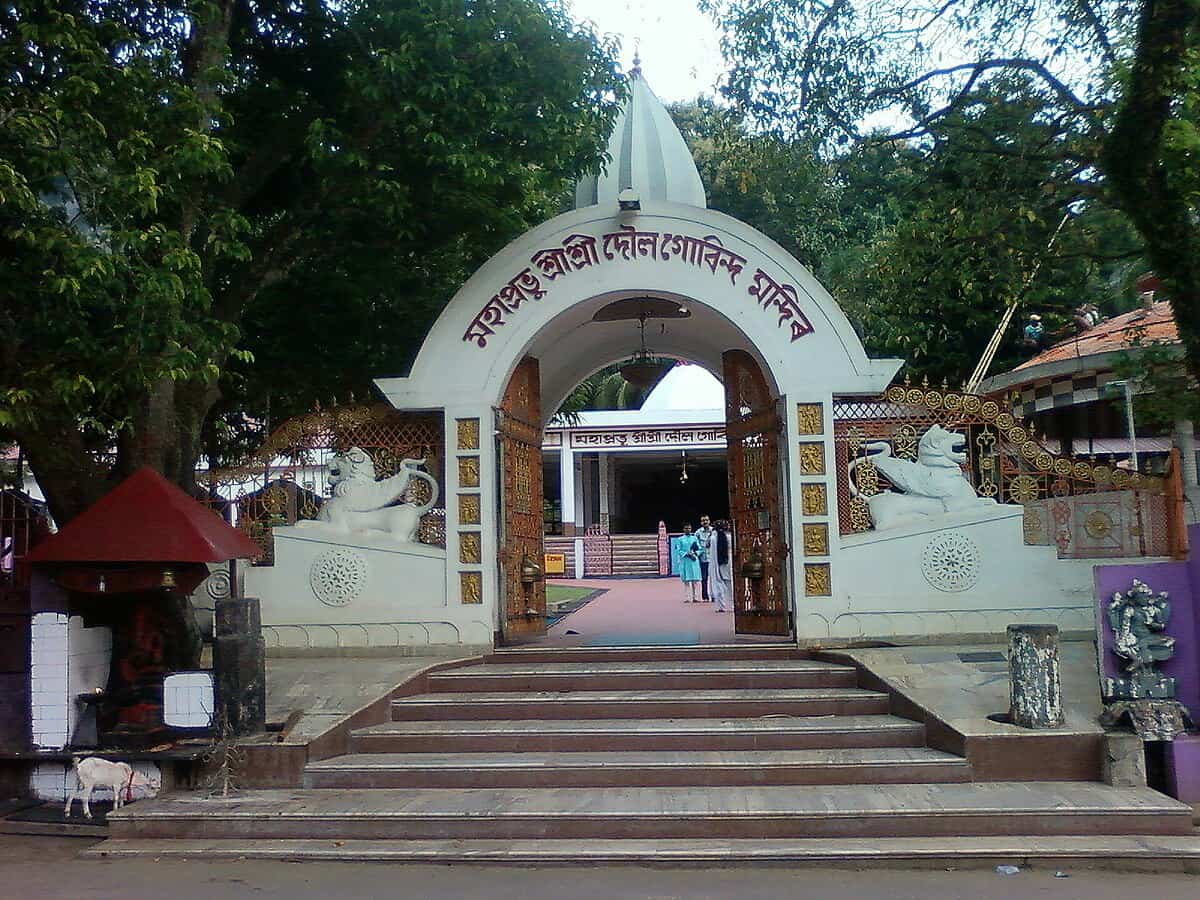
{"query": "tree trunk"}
[(1132, 159)]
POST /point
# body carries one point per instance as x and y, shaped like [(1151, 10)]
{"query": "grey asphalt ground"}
[(44, 868)]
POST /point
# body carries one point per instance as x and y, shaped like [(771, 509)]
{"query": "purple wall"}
[(1182, 581)]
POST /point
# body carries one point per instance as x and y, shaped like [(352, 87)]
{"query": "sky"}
[(679, 45)]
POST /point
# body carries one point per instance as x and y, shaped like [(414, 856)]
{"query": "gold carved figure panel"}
[(816, 580), (816, 540), (468, 472), (470, 547), (468, 434), (812, 500), (809, 419), (468, 509), (812, 458), (472, 586)]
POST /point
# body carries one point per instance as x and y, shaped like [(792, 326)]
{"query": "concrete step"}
[(900, 765), (1118, 852), (595, 704), (733, 674), (590, 735), (834, 811), (649, 653)]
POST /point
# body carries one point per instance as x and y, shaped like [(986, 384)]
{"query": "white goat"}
[(93, 772)]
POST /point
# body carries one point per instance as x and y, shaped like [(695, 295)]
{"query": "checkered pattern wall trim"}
[(1051, 393)]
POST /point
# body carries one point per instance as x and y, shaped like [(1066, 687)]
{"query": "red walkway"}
[(640, 611)]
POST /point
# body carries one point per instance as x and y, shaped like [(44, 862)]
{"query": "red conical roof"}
[(145, 519)]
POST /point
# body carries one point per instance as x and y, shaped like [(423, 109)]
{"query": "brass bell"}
[(530, 571), (753, 566)]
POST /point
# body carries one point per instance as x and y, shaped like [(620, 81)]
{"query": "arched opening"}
[(613, 489)]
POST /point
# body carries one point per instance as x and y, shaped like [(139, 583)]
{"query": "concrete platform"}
[(1124, 854), (852, 811)]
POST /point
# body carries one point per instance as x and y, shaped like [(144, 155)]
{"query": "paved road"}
[(46, 869)]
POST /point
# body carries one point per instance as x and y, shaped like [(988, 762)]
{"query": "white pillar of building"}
[(605, 461), (566, 488)]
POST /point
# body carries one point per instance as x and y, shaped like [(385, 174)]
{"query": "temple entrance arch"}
[(538, 298)]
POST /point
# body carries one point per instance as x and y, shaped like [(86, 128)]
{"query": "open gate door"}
[(520, 540), (752, 432)]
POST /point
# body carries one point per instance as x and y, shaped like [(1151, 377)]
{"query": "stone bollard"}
[(1035, 688), (239, 666)]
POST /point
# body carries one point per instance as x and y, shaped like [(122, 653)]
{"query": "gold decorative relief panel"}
[(812, 458), (816, 540), (812, 500), (816, 580), (468, 472), (472, 586), (470, 547), (468, 509), (809, 419), (468, 434)]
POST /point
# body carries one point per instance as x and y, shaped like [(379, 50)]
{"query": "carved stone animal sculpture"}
[(360, 503), (931, 486)]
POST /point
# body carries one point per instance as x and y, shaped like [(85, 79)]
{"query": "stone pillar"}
[(239, 666), (1035, 687), (566, 486)]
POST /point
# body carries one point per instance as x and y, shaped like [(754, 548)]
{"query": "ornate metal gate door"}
[(520, 539), (752, 431)]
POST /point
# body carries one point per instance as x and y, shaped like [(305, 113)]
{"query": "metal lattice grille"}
[(285, 480), (1007, 463)]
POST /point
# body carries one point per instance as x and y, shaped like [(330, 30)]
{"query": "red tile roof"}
[(145, 519), (1156, 324)]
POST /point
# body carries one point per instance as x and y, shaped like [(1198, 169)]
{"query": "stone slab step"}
[(681, 674), (595, 704), (759, 650), (1117, 852), (834, 811), (583, 735), (899, 765)]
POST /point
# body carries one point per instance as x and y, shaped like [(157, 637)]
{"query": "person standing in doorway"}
[(689, 564), (720, 567), (704, 535)]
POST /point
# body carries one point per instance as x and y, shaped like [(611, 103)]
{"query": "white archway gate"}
[(537, 298)]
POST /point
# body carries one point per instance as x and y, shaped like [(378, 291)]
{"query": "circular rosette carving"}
[(1023, 489), (1098, 524), (1005, 421), (218, 585), (989, 410), (1016, 434), (933, 400), (953, 402), (1062, 466), (338, 576), (915, 396), (1044, 461), (971, 404), (950, 562), (1083, 471)]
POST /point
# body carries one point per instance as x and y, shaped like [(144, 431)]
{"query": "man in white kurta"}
[(720, 567)]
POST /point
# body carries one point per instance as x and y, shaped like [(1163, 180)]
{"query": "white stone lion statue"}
[(360, 503), (931, 486)]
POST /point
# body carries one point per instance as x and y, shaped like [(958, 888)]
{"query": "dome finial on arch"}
[(647, 155)]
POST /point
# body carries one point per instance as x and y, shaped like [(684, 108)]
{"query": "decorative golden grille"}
[(1005, 462), (285, 480)]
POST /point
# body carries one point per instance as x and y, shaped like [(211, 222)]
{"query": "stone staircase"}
[(635, 554), (689, 754)]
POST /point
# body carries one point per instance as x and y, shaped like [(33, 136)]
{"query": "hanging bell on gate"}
[(754, 567), (530, 571)]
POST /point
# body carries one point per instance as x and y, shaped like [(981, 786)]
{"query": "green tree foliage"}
[(972, 228), (291, 187), (1115, 83)]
